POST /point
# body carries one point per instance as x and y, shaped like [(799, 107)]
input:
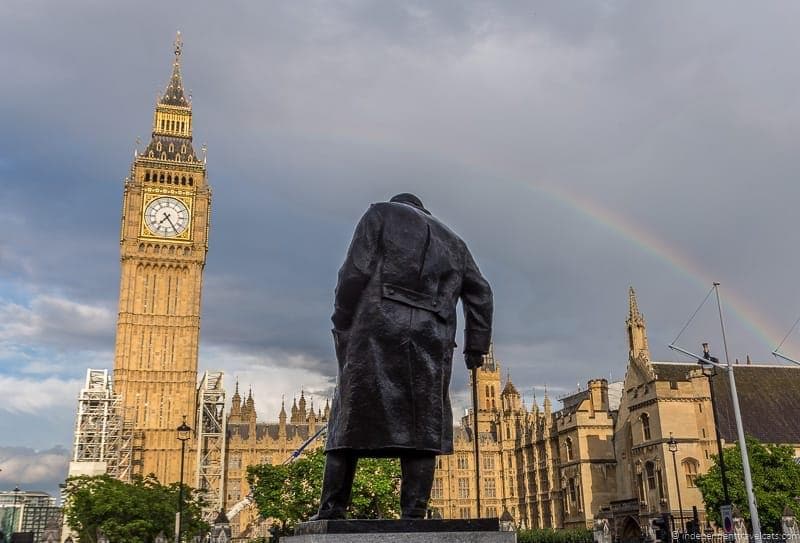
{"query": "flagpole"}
[(475, 439)]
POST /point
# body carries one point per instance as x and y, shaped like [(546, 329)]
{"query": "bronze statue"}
[(394, 327)]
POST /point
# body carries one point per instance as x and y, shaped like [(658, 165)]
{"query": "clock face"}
[(166, 216)]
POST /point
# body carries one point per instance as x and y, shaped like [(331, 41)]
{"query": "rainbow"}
[(733, 303)]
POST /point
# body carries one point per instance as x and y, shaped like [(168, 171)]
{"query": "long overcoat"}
[(394, 331)]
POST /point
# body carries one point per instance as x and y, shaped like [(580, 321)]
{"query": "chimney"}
[(598, 395)]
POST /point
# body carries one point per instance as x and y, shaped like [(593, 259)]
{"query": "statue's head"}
[(410, 199)]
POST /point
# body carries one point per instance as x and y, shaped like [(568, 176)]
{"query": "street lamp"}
[(16, 523), (673, 448), (184, 433), (709, 370)]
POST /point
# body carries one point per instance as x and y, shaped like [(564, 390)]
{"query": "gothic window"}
[(463, 487), (158, 146), (489, 487), (568, 449), (464, 512), (162, 124), (463, 461), (488, 462), (183, 180), (437, 490), (182, 130), (169, 179), (690, 471), (645, 426), (491, 511), (191, 182), (161, 178), (150, 154), (573, 494), (650, 470), (508, 431), (147, 176), (171, 148), (163, 156), (438, 462)]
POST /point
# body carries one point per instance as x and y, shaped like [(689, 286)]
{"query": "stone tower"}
[(163, 245)]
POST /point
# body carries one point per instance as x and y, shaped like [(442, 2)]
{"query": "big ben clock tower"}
[(164, 240)]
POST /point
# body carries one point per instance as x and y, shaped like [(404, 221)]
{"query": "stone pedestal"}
[(401, 531)]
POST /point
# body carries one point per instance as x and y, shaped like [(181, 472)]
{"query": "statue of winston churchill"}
[(394, 327)]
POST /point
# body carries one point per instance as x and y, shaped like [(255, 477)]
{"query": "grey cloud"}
[(676, 123), (32, 469)]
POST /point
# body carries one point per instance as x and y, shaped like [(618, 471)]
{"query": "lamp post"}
[(16, 524), (184, 433), (673, 448), (710, 371)]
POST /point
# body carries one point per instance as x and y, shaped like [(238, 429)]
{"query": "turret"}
[(302, 414), (282, 420), (249, 411), (637, 329), (236, 405)]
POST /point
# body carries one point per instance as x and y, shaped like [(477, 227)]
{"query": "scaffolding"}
[(101, 433), (211, 430)]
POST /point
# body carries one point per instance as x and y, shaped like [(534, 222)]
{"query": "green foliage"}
[(132, 512), (549, 535), (290, 494), (776, 482)]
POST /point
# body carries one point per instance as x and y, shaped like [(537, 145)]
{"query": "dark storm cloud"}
[(679, 118)]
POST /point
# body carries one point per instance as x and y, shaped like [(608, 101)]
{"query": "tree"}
[(132, 512), (290, 493), (776, 482)]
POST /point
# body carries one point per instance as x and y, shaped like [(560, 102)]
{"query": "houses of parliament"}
[(602, 456)]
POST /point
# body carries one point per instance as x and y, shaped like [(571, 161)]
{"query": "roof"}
[(766, 394), (173, 94), (672, 371), (270, 429), (509, 389), (769, 400), (182, 149)]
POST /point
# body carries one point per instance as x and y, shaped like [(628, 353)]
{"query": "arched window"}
[(650, 471), (690, 466), (162, 124), (568, 449), (161, 178), (169, 179), (508, 432), (183, 180), (191, 182), (147, 176), (645, 426)]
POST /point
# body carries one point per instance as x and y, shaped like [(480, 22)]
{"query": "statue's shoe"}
[(328, 514)]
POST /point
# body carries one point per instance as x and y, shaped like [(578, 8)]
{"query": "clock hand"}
[(171, 223)]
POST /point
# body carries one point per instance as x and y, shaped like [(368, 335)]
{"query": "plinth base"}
[(401, 531)]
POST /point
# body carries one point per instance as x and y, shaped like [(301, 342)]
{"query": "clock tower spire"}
[(163, 246)]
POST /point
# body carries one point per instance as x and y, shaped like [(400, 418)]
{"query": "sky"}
[(578, 147)]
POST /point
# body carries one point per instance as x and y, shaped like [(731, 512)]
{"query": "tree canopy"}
[(776, 482), (290, 493), (132, 512)]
